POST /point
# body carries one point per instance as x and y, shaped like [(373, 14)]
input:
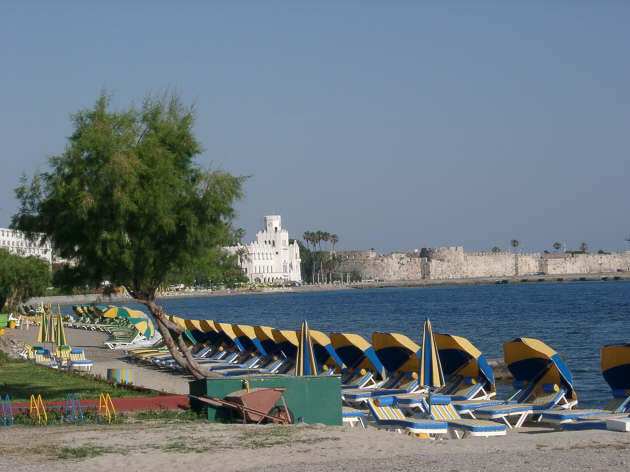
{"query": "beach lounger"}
[(615, 366), (387, 415), (278, 366), (515, 415), (439, 408), (397, 384), (461, 389), (359, 378), (42, 357), (618, 406), (352, 417), (78, 361), (521, 392)]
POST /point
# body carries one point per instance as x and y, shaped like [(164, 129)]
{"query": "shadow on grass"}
[(21, 379)]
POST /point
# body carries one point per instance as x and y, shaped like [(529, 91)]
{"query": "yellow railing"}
[(106, 407), (36, 405)]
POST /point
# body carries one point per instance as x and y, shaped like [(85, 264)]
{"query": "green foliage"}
[(171, 416), (126, 201), (20, 379), (21, 278), (216, 268)]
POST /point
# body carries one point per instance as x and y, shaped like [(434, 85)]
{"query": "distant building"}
[(270, 258), (16, 242)]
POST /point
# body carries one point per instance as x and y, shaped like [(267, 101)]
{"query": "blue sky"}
[(396, 125)]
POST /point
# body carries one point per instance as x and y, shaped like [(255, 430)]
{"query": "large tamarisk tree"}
[(127, 203)]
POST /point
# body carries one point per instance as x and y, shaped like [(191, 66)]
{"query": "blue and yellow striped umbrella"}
[(265, 335), (247, 336), (287, 342), (325, 354), (356, 353), (396, 352), (431, 374), (305, 363), (459, 356), (615, 363), (533, 361)]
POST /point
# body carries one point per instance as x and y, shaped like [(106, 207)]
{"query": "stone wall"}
[(453, 263), (387, 267)]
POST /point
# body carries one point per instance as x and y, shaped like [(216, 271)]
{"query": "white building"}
[(270, 258), (16, 242)]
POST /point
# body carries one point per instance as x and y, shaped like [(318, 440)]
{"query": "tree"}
[(515, 243), (557, 245), (495, 250), (128, 203), (21, 278), (334, 239), (584, 247)]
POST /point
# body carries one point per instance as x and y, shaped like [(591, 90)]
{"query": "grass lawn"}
[(20, 379)]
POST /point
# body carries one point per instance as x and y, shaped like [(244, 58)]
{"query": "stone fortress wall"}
[(453, 263)]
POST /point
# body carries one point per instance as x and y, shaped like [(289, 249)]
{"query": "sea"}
[(574, 318)]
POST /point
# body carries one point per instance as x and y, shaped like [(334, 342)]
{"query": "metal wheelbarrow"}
[(255, 405)]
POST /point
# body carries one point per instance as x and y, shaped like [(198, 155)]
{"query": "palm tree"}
[(334, 239), (557, 245), (239, 234)]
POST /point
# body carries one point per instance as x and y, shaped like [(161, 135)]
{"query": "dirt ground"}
[(162, 446)]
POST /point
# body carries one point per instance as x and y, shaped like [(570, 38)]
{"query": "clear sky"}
[(395, 124)]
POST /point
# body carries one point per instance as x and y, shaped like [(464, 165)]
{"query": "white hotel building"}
[(270, 258), (16, 242)]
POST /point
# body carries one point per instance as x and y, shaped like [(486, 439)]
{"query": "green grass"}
[(170, 416), (67, 452), (20, 379)]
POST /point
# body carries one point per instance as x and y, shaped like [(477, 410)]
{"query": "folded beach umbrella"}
[(430, 374), (305, 364), (396, 352), (325, 354), (247, 336), (61, 339), (615, 363), (531, 360), (50, 330), (460, 357), (43, 328), (287, 342), (264, 334), (357, 353)]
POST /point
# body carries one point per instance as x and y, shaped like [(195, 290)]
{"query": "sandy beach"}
[(162, 445)]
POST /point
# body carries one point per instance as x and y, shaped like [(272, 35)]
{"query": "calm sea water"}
[(575, 319)]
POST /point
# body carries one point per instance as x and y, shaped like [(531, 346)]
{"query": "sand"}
[(161, 445)]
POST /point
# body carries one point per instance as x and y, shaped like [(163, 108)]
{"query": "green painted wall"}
[(313, 399)]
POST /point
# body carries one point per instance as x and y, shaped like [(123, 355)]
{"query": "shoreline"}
[(524, 279)]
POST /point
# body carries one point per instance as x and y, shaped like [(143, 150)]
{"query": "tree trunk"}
[(173, 336)]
